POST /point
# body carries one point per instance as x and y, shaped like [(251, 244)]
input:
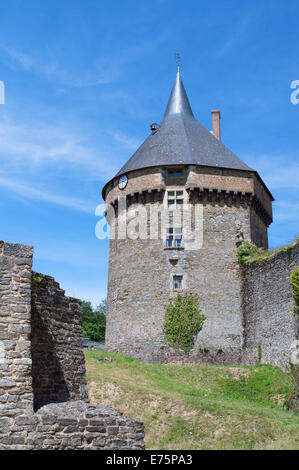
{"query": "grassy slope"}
[(198, 407)]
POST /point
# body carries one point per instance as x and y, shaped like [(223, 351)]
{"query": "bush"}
[(183, 321), (247, 251), (93, 322)]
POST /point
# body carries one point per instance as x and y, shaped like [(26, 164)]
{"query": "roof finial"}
[(177, 58)]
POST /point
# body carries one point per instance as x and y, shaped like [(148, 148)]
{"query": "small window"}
[(177, 282), (174, 237), (175, 198), (175, 173)]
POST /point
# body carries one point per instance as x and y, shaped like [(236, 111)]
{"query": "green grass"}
[(198, 407)]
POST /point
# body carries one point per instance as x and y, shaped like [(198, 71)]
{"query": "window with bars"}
[(175, 198), (177, 282), (174, 237)]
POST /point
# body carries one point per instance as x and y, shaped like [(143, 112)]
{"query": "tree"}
[(93, 322)]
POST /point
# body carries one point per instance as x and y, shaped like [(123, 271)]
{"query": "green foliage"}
[(248, 252), (183, 321), (93, 322), (295, 285), (37, 279)]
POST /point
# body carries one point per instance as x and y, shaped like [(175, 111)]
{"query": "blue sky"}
[(83, 82)]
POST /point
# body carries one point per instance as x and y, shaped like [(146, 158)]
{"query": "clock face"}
[(122, 182)]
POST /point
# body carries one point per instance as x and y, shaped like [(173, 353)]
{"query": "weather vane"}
[(177, 58)]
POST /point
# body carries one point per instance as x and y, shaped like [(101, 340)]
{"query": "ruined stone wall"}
[(270, 326), (81, 426), (41, 361), (58, 365), (16, 394)]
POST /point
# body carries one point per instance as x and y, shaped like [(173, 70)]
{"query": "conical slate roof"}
[(182, 140)]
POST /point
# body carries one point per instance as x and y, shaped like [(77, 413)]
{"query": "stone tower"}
[(181, 163)]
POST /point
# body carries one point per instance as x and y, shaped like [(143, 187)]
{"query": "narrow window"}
[(177, 282)]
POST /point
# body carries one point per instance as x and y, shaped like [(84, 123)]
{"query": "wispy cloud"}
[(234, 38), (286, 211), (131, 143), (30, 192), (51, 70), (103, 69), (278, 172), (24, 60), (283, 177), (36, 145)]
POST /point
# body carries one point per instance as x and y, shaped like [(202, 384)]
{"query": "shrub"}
[(183, 321), (247, 251), (93, 322)]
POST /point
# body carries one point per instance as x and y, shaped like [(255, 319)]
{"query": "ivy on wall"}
[(183, 321), (295, 285)]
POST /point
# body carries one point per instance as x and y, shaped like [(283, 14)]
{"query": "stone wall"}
[(139, 181), (58, 366), (140, 285), (82, 426), (16, 394), (41, 361), (232, 180), (269, 325), (258, 230), (236, 205)]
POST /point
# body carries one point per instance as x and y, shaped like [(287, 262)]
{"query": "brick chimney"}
[(216, 123)]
